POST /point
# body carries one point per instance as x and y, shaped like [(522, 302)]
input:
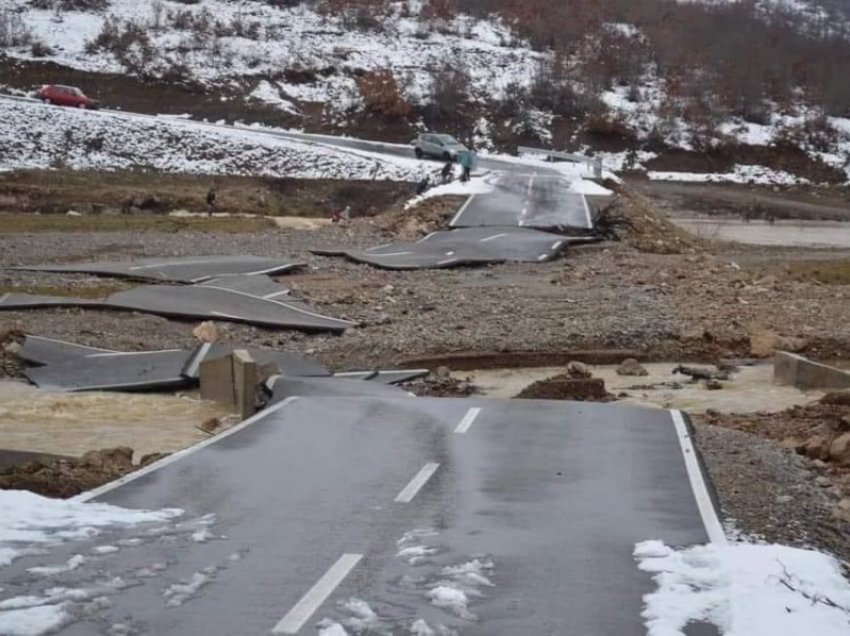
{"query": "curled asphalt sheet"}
[(553, 496), (115, 371), (536, 201), (464, 246), (71, 367), (187, 269), (199, 302)]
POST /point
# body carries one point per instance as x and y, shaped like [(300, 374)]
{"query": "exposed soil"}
[(563, 387), (143, 195), (69, 476)]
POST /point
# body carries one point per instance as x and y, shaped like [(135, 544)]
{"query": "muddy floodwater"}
[(36, 420), (780, 233), (751, 389)]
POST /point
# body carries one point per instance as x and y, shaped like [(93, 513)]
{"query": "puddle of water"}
[(32, 419), (781, 233), (750, 390)]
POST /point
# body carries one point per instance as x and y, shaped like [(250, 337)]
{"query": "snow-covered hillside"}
[(41, 136), (217, 42), (476, 77)]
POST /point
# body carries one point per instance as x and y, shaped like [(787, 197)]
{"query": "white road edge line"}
[(467, 420), (409, 492), (65, 341), (97, 492), (276, 294), (457, 216), (446, 261), (712, 524), (171, 264), (318, 594), (112, 354), (587, 212)]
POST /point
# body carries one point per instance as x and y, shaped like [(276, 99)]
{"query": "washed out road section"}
[(552, 495)]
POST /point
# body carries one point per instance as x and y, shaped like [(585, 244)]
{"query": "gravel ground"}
[(772, 493), (599, 296)]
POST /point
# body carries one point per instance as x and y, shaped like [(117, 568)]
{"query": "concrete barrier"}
[(790, 368), (232, 381)]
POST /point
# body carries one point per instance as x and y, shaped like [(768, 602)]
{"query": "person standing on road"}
[(210, 201), (464, 158)]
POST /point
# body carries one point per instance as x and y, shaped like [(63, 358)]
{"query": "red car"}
[(65, 96)]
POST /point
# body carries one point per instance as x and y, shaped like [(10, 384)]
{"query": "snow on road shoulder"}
[(741, 174), (29, 522), (44, 137), (476, 185), (745, 590)]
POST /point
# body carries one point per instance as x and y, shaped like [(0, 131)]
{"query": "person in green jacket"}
[(464, 158)]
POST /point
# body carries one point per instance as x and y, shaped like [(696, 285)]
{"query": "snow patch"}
[(476, 185), (741, 174), (48, 570), (745, 590), (178, 593), (29, 521), (33, 621), (451, 598)]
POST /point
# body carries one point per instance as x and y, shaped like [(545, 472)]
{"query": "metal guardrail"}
[(594, 163)]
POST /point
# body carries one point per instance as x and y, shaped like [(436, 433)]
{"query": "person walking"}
[(464, 158), (210, 201)]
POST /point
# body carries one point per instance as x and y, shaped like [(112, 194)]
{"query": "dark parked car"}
[(443, 147), (65, 96)]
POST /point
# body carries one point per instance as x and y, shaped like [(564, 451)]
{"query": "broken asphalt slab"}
[(187, 269), (115, 371), (198, 302), (71, 367), (464, 246)]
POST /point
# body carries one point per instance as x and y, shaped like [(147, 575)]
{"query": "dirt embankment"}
[(146, 194), (69, 476)]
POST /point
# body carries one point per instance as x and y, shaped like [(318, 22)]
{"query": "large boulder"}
[(765, 342), (630, 366), (839, 450)]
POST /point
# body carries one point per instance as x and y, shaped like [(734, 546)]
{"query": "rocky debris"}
[(578, 370), (701, 373), (634, 219), (713, 385), (66, 477), (839, 450), (206, 331), (630, 366), (414, 223), (565, 387), (764, 343), (819, 431), (837, 398), (211, 426), (771, 492), (440, 383)]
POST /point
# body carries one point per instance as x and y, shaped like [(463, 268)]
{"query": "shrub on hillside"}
[(40, 49), (382, 95)]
